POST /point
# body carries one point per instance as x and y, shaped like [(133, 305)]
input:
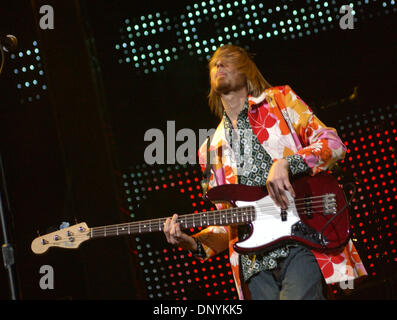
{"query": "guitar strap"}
[(207, 171)]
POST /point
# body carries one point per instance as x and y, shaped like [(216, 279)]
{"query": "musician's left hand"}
[(278, 181)]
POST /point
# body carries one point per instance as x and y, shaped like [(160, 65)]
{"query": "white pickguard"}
[(268, 226)]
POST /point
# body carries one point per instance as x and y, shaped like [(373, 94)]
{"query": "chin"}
[(222, 87)]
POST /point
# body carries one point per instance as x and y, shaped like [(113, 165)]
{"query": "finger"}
[(288, 186), (174, 230), (166, 229), (174, 218), (178, 232), (166, 226), (272, 194), (283, 199), (172, 226)]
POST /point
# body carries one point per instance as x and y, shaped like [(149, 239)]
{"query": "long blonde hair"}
[(240, 58)]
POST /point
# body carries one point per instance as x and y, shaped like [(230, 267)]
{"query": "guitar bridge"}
[(329, 203)]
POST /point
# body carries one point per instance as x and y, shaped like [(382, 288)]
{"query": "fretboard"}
[(239, 215)]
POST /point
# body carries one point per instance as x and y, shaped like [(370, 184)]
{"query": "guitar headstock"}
[(68, 238)]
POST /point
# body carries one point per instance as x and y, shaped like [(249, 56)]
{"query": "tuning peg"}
[(38, 233)]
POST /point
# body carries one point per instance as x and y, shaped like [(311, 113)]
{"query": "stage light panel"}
[(170, 272), (28, 73), (224, 15)]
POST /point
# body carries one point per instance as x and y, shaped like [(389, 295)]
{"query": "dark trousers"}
[(297, 277)]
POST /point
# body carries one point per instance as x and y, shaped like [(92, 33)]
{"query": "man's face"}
[(225, 77)]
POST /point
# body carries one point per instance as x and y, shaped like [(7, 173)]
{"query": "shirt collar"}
[(228, 123)]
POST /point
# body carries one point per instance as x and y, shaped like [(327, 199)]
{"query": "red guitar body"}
[(318, 216)]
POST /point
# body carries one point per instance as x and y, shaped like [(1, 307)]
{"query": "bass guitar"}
[(318, 217)]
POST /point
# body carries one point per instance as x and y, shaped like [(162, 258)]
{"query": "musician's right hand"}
[(176, 237)]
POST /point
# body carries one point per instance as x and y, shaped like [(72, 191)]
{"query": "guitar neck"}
[(239, 215)]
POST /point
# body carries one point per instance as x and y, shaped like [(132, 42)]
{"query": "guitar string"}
[(134, 231), (115, 231), (299, 204), (193, 216), (205, 221)]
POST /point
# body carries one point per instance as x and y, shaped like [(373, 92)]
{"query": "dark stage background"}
[(77, 100)]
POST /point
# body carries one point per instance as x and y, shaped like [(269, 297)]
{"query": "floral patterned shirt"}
[(254, 164)]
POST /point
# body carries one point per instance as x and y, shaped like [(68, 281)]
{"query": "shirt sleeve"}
[(321, 145), (213, 239), (297, 164)]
